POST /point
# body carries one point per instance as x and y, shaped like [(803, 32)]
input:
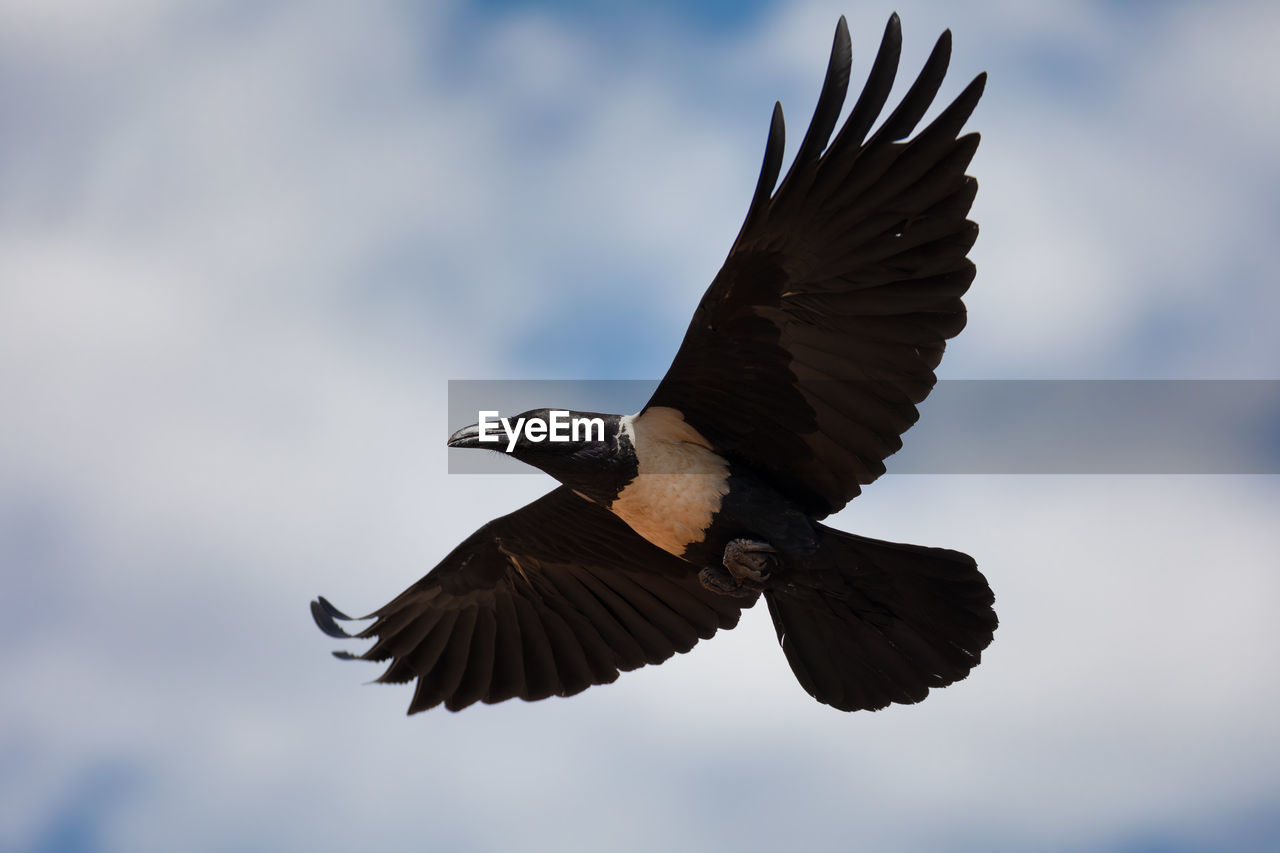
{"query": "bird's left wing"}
[(547, 601), (809, 352)]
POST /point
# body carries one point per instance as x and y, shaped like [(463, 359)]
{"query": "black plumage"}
[(802, 367), (809, 352), (547, 601)]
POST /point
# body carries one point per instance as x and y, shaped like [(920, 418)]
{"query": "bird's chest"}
[(675, 495)]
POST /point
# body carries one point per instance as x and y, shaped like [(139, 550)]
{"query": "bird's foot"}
[(719, 580), (750, 561), (747, 565)]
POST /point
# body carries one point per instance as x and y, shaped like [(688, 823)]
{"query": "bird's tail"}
[(865, 623)]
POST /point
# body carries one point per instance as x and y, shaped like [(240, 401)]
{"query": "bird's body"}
[(802, 366), (688, 499)]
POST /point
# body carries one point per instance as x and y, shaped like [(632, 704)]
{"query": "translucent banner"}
[(970, 426)]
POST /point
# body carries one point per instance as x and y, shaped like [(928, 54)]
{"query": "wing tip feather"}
[(326, 617)]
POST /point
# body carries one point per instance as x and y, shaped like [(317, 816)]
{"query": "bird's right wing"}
[(547, 601)]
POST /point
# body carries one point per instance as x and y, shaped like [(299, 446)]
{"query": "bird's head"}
[(587, 451)]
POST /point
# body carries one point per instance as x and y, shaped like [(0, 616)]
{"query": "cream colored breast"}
[(680, 484)]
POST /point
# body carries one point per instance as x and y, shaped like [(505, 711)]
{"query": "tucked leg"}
[(747, 565), (748, 560), (718, 579)]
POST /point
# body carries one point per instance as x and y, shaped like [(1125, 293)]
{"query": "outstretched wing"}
[(809, 352), (547, 601)]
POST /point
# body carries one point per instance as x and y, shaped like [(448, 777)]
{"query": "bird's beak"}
[(466, 437)]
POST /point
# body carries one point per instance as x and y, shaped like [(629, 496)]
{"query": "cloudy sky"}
[(244, 246)]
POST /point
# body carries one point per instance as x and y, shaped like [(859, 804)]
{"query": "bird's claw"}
[(748, 560), (720, 581), (747, 566)]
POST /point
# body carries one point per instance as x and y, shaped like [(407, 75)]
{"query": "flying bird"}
[(803, 365)]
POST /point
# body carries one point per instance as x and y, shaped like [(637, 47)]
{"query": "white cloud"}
[(232, 296)]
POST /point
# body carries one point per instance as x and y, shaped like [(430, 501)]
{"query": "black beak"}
[(468, 437)]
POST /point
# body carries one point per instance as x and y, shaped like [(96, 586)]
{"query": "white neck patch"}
[(680, 484)]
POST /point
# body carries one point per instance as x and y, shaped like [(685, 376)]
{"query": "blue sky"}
[(243, 248)]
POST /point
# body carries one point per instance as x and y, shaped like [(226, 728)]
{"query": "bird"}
[(804, 363)]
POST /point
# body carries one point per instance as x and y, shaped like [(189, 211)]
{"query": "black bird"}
[(802, 367)]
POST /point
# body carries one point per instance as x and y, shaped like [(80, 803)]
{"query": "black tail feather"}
[(868, 623)]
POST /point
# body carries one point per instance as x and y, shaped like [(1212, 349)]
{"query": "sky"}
[(245, 246)]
